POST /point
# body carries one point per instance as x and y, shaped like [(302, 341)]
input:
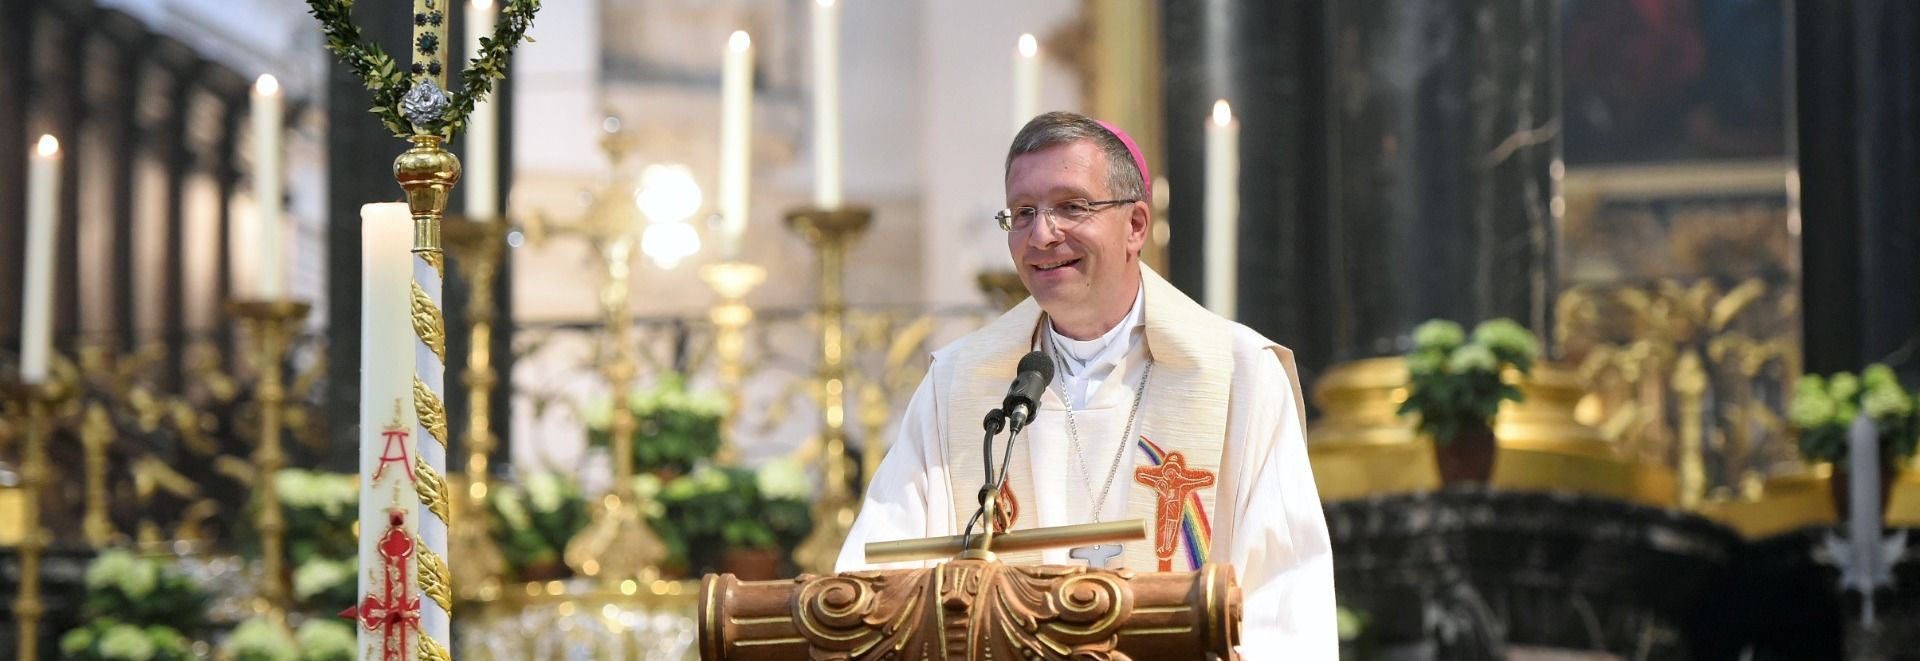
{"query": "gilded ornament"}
[(432, 414)]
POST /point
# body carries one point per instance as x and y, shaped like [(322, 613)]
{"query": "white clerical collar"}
[(1084, 360)]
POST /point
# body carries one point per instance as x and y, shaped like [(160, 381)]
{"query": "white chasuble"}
[(1216, 464)]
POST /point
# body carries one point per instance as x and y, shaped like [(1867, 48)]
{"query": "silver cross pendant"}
[(1096, 556)]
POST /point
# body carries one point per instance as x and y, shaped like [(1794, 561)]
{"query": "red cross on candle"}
[(1172, 482), (395, 611)]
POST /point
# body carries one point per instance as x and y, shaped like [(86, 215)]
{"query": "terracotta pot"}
[(1839, 490), (751, 564), (545, 571), (1468, 459)]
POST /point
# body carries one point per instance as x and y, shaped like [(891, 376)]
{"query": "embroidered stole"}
[(1181, 434)]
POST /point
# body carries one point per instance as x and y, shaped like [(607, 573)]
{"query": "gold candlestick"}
[(830, 231), (96, 432), (478, 567), (731, 281), (39, 401), (270, 324), (618, 546)]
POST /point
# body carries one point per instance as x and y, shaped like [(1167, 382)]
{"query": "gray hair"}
[(1061, 128)]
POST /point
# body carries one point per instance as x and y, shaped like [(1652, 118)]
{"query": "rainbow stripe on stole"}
[(1195, 527)]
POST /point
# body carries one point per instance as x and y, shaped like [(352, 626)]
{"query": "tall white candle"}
[(826, 105), (1026, 81), (269, 274), (387, 415), (43, 211), (736, 136), (1222, 210), (482, 163)]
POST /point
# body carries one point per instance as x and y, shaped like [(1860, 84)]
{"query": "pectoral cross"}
[(1096, 556)]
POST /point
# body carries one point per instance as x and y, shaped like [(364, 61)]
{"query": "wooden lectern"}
[(976, 608)]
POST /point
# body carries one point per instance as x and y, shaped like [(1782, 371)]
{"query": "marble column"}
[(1442, 132), (1857, 103), (1268, 59), (16, 91)]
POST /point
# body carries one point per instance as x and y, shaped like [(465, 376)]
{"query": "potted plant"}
[(534, 520), (1456, 384), (1823, 409), (735, 520), (139, 608), (674, 429)]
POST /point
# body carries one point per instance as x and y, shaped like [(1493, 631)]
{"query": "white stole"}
[(1184, 411)]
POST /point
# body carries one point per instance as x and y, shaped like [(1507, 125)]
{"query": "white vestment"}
[(1211, 379)]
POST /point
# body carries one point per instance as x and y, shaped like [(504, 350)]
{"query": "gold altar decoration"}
[(629, 619), (731, 282), (96, 433), (1003, 287), (478, 566), (270, 325), (974, 609), (829, 232), (38, 401), (1362, 446)]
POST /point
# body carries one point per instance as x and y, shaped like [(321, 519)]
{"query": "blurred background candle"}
[(826, 105), (482, 161), (268, 272), (1223, 209), (43, 210), (1026, 81), (736, 134)]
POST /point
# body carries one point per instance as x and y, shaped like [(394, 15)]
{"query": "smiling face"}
[(1085, 276)]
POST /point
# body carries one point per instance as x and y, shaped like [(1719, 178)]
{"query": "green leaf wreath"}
[(388, 82)]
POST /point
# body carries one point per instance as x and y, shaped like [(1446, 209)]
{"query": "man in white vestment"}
[(1159, 409)]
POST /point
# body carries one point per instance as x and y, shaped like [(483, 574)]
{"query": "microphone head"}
[(1036, 361)]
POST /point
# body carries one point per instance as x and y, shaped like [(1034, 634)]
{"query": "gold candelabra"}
[(829, 232), (96, 433), (478, 567), (270, 324), (39, 401), (731, 281)]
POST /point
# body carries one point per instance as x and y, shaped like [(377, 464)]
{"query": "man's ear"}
[(1139, 223)]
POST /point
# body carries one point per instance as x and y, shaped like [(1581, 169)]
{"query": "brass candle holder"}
[(96, 433), (270, 325), (478, 567), (731, 281), (39, 401), (829, 232), (618, 546)]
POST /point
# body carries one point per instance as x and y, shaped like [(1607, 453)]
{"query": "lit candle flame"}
[(1222, 114), (1029, 46), (267, 85), (739, 42), (48, 146)]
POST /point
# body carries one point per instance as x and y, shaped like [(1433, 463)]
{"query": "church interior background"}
[(1692, 204)]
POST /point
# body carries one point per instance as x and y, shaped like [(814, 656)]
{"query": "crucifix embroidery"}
[(1171, 482)]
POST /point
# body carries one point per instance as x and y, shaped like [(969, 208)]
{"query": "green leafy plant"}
[(713, 510), (1823, 409), (533, 521), (108, 639), (319, 510), (1456, 380), (325, 585), (674, 429)]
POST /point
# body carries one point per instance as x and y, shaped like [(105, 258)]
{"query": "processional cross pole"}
[(415, 105)]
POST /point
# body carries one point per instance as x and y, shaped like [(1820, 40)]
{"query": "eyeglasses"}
[(1065, 214)]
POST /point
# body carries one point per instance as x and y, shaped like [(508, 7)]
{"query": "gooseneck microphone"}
[(1029, 384)]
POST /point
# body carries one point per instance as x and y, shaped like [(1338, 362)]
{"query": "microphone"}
[(1029, 383)]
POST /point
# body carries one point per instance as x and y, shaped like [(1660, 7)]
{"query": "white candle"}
[(826, 105), (736, 134), (43, 210), (268, 273), (1222, 210), (1026, 81), (482, 163), (386, 395)]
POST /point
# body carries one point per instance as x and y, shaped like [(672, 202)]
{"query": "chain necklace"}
[(1126, 435)]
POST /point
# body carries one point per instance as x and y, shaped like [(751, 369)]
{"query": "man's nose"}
[(1044, 233)]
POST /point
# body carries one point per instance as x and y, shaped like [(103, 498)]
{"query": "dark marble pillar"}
[(360, 155), (458, 293), (184, 68), (1443, 129), (1857, 104), (16, 86), (120, 126), (62, 61), (1267, 59)]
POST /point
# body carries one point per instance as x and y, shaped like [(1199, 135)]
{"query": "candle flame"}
[(739, 42), (267, 85), (48, 146), (1029, 46), (1222, 114), (482, 4)]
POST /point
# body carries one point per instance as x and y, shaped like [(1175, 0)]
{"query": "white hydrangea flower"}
[(261, 639), (319, 575), (784, 478), (125, 641), (326, 638), (545, 490)]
